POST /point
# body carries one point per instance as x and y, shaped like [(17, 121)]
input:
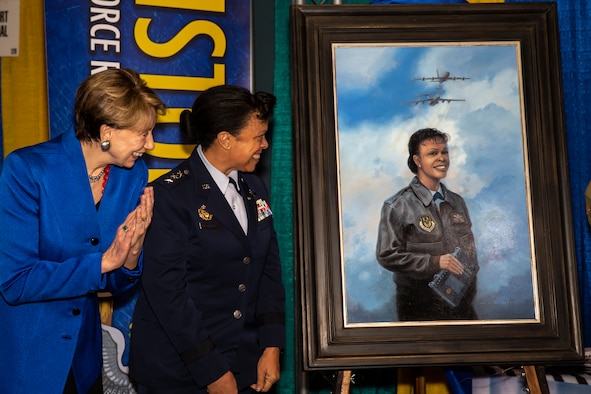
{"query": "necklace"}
[(95, 178), (107, 169)]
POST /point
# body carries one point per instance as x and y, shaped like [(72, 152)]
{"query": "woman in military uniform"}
[(420, 227), (210, 314)]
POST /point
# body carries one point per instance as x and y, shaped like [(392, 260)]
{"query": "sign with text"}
[(180, 48), (9, 27)]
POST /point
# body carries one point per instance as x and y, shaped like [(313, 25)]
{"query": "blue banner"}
[(179, 47)]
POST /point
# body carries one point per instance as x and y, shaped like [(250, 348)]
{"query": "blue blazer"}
[(212, 297), (51, 247)]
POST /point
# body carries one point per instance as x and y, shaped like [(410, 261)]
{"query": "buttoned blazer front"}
[(51, 248), (212, 297)]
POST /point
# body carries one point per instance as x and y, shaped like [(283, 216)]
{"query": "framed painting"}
[(380, 280)]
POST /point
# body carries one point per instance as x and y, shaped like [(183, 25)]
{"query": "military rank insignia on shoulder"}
[(175, 175)]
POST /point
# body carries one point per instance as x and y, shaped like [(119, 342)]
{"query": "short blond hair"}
[(118, 98)]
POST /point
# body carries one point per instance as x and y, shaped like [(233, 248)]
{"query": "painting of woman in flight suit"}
[(425, 238)]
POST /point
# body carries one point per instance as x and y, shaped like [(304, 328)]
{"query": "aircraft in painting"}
[(431, 99), (446, 76)]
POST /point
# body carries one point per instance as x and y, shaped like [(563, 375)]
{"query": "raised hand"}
[(129, 238)]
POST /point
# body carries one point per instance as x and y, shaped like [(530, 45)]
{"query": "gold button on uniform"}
[(237, 314), (246, 260), (242, 287)]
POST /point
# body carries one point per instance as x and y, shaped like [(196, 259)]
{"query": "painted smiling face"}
[(432, 162)]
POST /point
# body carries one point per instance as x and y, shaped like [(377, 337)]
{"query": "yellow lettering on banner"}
[(177, 43), (154, 173), (176, 82), (195, 84), (197, 5), (172, 115), (171, 151)]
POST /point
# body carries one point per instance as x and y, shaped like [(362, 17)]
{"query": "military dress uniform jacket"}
[(51, 245), (412, 233), (212, 297)]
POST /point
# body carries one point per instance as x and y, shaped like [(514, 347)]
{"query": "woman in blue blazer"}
[(210, 314), (74, 212)]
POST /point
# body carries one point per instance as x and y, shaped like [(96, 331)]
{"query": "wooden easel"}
[(343, 382), (535, 378)]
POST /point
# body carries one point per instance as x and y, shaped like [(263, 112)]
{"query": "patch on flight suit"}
[(426, 223), (457, 218)]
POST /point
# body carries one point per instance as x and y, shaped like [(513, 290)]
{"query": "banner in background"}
[(180, 48)]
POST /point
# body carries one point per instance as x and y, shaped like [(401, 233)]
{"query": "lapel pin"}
[(203, 214)]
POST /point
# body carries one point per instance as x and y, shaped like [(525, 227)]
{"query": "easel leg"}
[(535, 377), (420, 381), (343, 382)]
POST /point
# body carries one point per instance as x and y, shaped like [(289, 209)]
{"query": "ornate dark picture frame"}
[(329, 340)]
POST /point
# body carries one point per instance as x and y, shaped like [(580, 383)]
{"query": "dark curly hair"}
[(224, 108)]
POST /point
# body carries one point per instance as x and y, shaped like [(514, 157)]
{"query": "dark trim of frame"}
[(326, 342)]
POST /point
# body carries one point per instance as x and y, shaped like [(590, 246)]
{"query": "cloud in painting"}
[(355, 75)]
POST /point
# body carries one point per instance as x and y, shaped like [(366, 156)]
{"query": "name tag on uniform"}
[(209, 225)]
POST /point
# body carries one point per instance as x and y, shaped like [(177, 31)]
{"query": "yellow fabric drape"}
[(24, 83), (414, 380)]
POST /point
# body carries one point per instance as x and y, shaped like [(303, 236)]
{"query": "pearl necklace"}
[(96, 178)]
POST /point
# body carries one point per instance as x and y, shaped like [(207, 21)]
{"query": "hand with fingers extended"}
[(129, 239), (117, 254), (143, 218)]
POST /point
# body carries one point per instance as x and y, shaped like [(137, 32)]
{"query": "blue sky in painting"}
[(374, 83)]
